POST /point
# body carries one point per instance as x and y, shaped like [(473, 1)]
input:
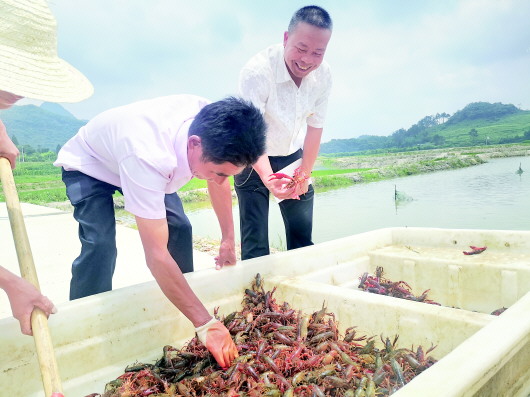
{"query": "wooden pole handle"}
[(39, 321)]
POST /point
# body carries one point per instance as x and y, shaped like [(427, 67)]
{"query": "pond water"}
[(486, 196)]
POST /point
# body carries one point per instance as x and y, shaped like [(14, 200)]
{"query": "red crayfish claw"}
[(280, 175)]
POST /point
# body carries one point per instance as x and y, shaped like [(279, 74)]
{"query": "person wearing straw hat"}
[(30, 67)]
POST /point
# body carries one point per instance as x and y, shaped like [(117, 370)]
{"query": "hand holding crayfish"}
[(216, 337), (295, 185)]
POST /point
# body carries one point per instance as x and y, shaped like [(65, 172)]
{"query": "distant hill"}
[(57, 109), (50, 125), (477, 123), (42, 127)]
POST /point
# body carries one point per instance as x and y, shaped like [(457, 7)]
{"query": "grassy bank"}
[(40, 183)]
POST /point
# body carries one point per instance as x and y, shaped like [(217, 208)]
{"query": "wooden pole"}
[(39, 321)]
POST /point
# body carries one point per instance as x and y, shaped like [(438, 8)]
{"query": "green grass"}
[(42, 168), (42, 196), (41, 183), (372, 176), (336, 171), (38, 183), (331, 181), (491, 131), (201, 183), (29, 178), (196, 184)]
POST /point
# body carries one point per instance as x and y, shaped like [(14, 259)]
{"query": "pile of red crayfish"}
[(399, 289), (282, 353)]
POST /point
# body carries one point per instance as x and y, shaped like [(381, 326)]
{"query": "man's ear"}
[(285, 37), (194, 141)]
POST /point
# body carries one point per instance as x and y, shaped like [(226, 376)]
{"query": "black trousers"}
[(253, 198), (93, 269)]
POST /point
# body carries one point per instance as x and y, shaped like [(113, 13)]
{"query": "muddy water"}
[(487, 196)]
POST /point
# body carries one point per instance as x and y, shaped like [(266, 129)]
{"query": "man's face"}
[(304, 49), (208, 170), (7, 99)]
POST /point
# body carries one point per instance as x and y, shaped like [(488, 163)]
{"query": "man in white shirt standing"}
[(290, 84), (147, 151)]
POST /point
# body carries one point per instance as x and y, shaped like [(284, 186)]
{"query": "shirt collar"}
[(181, 150), (282, 73)]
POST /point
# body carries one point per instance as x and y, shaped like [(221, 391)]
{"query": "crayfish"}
[(382, 286), (298, 177), (282, 352), (475, 250)]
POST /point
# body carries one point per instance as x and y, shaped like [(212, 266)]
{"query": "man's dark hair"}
[(313, 15), (231, 130)]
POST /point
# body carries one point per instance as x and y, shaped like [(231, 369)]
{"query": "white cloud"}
[(392, 63)]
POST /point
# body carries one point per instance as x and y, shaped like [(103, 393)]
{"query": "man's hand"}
[(278, 187), (301, 188), (23, 298), (227, 254), (216, 337)]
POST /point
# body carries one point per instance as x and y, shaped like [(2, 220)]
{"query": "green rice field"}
[(40, 182)]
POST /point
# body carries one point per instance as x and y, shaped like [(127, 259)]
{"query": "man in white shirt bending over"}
[(290, 84), (147, 151)]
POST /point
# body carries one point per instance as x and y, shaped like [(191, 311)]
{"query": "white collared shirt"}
[(141, 147), (287, 109)]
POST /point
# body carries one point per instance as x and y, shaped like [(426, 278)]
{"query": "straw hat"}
[(29, 65)]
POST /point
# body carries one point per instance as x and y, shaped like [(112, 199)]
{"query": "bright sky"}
[(393, 63)]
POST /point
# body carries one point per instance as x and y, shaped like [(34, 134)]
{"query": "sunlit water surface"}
[(487, 196)]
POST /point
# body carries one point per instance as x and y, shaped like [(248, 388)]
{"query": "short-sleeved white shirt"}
[(287, 109), (141, 147)]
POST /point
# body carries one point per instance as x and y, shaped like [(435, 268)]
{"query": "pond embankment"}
[(392, 165)]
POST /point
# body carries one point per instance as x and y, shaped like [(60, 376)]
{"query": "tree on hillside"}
[(438, 140), (28, 149), (473, 133), (444, 117), (483, 110), (14, 140), (427, 121), (429, 131), (441, 118)]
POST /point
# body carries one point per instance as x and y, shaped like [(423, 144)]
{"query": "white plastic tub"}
[(480, 354)]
